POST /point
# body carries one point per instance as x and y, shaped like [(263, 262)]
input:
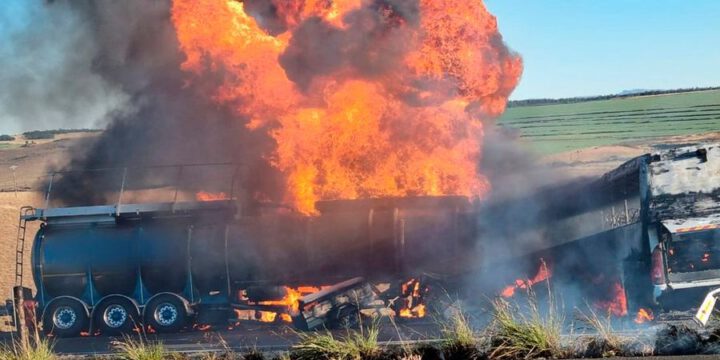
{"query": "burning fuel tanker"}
[(351, 100), (640, 237), (110, 268)]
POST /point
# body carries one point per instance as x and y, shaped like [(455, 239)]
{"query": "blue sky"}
[(591, 47), (570, 48)]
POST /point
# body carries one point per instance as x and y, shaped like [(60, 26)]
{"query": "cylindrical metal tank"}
[(114, 256), (113, 260), (163, 253), (373, 238), (213, 255), (62, 259)]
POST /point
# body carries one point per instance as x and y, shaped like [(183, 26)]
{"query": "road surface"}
[(246, 337)]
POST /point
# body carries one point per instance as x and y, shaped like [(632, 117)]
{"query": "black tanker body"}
[(108, 269)]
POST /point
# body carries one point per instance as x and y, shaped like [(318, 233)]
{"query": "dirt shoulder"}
[(32, 159), (595, 161)]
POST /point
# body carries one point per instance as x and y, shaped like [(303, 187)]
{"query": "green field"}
[(562, 127)]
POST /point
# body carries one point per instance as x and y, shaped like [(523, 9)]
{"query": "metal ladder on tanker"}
[(20, 244)]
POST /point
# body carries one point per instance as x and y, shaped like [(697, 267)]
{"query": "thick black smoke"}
[(169, 118), (46, 60), (536, 215), (371, 44)]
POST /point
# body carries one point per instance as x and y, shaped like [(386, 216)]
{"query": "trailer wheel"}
[(65, 318), (115, 316), (165, 314)]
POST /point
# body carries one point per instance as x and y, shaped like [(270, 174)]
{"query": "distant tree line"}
[(536, 102), (50, 134), (6, 138)]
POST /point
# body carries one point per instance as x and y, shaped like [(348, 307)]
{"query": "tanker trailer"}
[(111, 268)]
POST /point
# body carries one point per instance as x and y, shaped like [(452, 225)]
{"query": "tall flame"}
[(363, 98), (543, 273), (617, 304)]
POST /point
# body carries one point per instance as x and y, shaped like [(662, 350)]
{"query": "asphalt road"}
[(248, 336), (264, 338), (269, 338), (684, 357)]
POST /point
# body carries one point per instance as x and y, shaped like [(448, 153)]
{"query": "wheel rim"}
[(166, 314), (115, 316), (64, 317)]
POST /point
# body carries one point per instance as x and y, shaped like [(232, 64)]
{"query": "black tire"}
[(166, 314), (115, 316), (65, 318)]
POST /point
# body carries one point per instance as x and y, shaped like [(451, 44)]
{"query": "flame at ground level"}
[(643, 316), (614, 304), (292, 296), (209, 196), (542, 274), (411, 302), (413, 299), (259, 315), (617, 304), (289, 301), (418, 311)]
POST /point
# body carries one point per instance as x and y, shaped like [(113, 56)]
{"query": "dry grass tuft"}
[(253, 355), (139, 349), (460, 339), (40, 349), (356, 345), (282, 356), (606, 343), (525, 333)]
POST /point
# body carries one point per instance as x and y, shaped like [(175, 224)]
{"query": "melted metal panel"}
[(685, 182)]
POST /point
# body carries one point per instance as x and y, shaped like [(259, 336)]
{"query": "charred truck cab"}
[(682, 196), (669, 240), (672, 246), (650, 227)]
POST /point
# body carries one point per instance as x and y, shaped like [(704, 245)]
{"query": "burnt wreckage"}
[(107, 268), (168, 265), (653, 224)]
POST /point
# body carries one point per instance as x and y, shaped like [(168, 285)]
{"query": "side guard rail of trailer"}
[(169, 181)]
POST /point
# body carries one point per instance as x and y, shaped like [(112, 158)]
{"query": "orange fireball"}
[(362, 98)]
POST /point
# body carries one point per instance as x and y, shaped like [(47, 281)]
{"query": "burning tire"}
[(65, 317), (166, 314), (115, 316)]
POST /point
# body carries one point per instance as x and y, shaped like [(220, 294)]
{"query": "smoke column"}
[(399, 91), (46, 67)]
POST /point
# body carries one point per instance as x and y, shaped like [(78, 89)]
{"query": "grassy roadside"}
[(563, 127), (40, 349)]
